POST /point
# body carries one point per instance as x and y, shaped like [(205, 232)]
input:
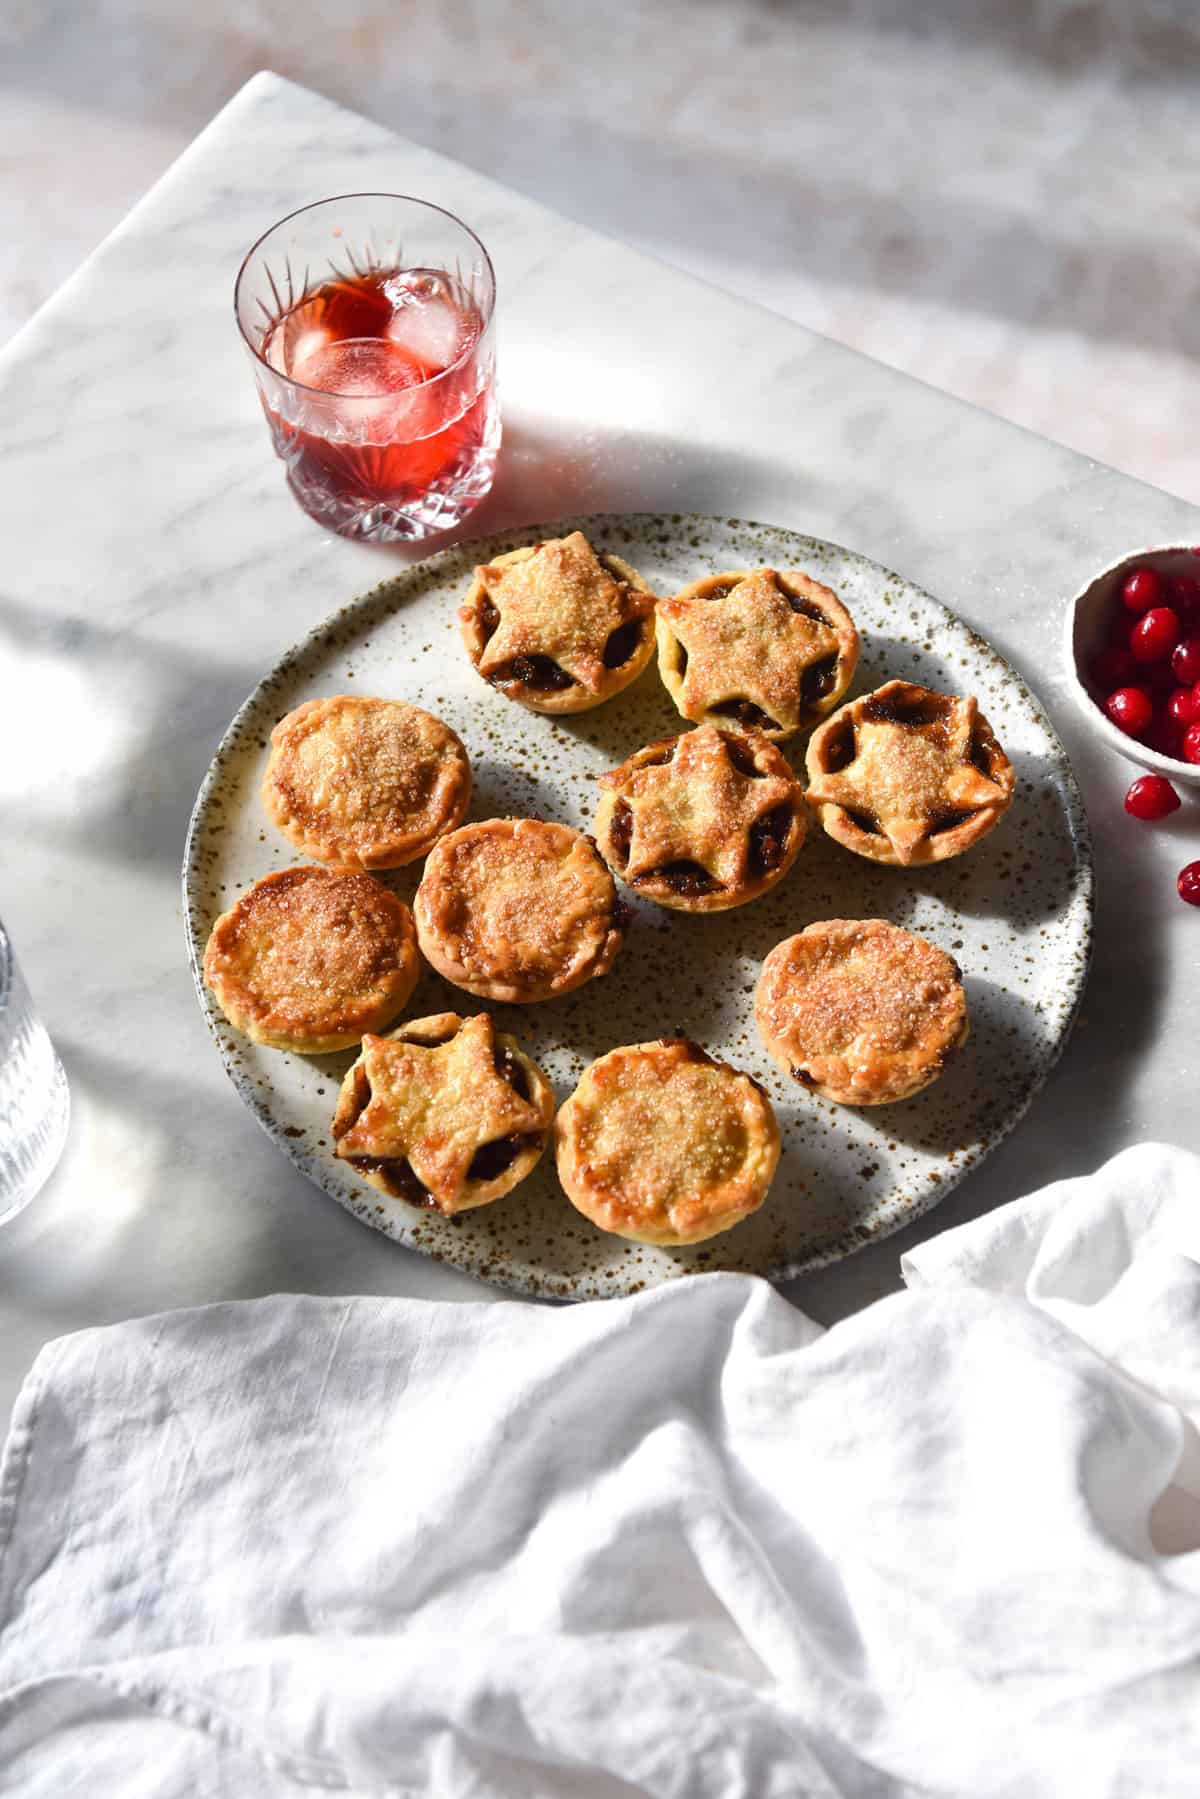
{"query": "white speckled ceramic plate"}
[(1016, 913)]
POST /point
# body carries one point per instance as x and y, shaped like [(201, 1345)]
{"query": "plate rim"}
[(514, 1282)]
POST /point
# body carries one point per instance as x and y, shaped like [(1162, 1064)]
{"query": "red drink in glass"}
[(378, 381)]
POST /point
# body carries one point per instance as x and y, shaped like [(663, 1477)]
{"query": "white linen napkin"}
[(685, 1544)]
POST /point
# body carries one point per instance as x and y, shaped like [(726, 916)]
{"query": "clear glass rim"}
[(459, 362), (6, 969)]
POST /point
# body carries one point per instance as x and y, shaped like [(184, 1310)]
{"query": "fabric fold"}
[(682, 1544)]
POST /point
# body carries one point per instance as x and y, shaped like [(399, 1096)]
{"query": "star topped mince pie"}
[(756, 649), (908, 776), (519, 910), (310, 958), (860, 1011), (702, 822), (365, 783), (558, 626), (447, 1113), (662, 1144)]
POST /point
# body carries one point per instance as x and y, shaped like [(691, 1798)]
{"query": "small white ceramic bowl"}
[(1086, 628)]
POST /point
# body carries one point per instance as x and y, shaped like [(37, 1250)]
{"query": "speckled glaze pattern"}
[(1016, 913)]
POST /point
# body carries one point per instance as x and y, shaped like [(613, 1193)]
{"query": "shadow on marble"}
[(547, 471), (121, 732), (1014, 265), (78, 1255)]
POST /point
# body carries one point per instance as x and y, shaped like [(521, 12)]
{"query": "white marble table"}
[(154, 564)]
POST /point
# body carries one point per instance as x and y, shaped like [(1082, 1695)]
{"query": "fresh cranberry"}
[(1191, 744), (1181, 707), (1155, 634), (1189, 883), (1141, 589), (1113, 668), (1185, 661), (1151, 797), (1130, 709)]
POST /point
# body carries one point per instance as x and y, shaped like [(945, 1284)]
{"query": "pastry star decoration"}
[(747, 644), (909, 775), (436, 1106), (696, 808), (562, 603)]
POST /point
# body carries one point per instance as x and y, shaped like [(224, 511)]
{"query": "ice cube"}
[(297, 337), (427, 324), (356, 366), (303, 352)]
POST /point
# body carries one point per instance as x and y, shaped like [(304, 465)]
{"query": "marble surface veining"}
[(154, 565)]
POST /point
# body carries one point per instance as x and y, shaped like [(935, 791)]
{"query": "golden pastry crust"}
[(309, 959), (908, 776), (756, 649), (365, 783), (704, 821), (446, 1113), (860, 1011), (558, 626), (660, 1144), (519, 910)]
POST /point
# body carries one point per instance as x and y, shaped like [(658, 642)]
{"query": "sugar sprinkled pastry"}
[(756, 648), (519, 910), (446, 1112), (309, 959), (860, 1011), (661, 1144), (908, 776), (365, 783), (558, 626), (705, 821)]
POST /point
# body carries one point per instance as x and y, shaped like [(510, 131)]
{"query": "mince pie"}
[(860, 1011), (309, 958), (705, 821), (908, 776), (756, 649), (516, 909), (557, 625), (662, 1144), (365, 783), (447, 1113)]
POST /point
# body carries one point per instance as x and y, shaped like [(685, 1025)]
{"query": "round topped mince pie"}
[(908, 776), (704, 821), (519, 910), (860, 1011), (661, 1144), (447, 1112), (308, 959), (558, 626), (365, 783), (756, 649)]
